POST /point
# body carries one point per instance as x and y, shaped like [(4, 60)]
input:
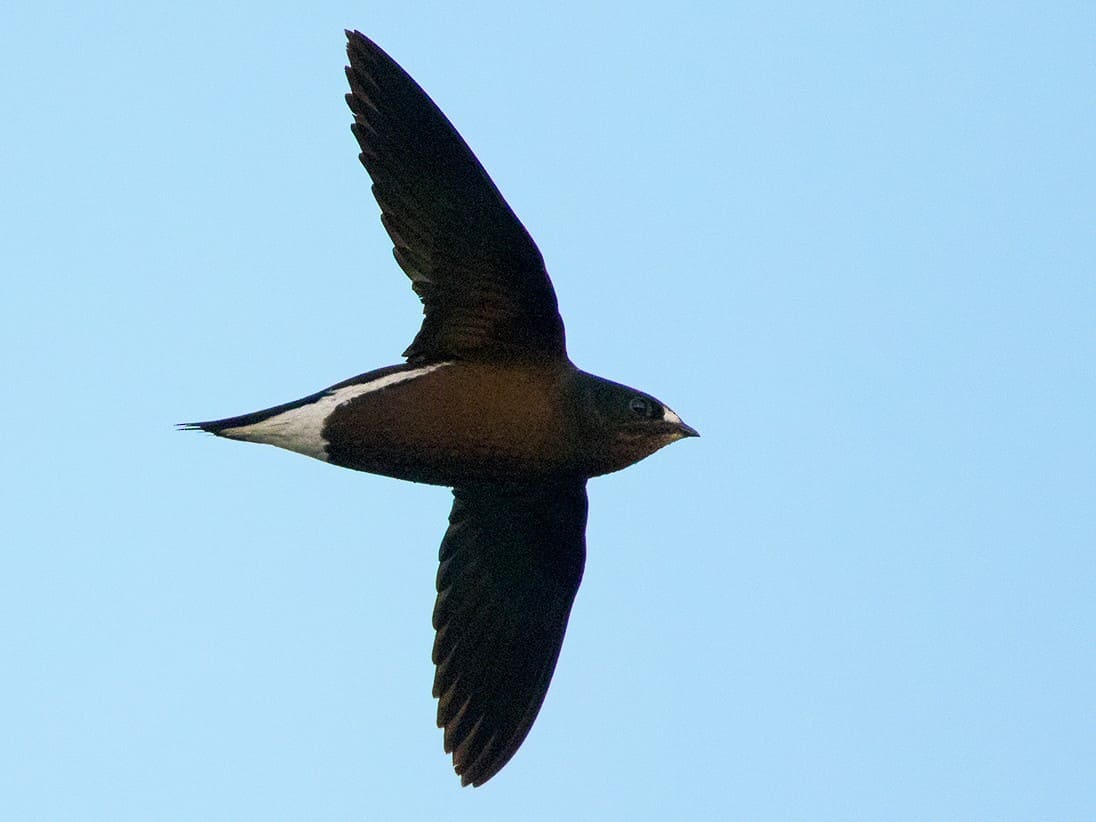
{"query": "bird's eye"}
[(641, 407)]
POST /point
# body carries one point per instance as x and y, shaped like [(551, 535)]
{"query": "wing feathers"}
[(511, 563), (491, 297)]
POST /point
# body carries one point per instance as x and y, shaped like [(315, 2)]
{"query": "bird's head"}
[(624, 425)]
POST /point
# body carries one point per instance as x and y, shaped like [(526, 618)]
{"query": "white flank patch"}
[(301, 429)]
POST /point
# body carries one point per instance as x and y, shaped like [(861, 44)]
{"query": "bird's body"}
[(487, 403), (451, 423)]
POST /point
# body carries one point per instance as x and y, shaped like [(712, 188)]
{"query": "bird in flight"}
[(487, 402)]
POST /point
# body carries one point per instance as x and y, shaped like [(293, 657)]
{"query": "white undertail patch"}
[(301, 429)]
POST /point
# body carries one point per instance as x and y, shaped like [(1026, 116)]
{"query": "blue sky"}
[(854, 246)]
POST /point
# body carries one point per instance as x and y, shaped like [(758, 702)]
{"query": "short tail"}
[(245, 420), (211, 427)]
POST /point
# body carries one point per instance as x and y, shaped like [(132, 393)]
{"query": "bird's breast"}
[(458, 423)]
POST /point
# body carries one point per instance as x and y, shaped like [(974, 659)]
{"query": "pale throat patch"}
[(301, 429)]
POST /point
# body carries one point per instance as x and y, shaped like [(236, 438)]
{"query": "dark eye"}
[(642, 407)]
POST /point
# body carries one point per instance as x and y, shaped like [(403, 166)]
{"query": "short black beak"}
[(688, 430)]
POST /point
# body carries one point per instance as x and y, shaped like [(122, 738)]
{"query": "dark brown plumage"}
[(511, 562), (479, 274), (488, 403)]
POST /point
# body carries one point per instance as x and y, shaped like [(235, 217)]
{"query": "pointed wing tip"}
[(358, 44), (477, 769), (357, 47)]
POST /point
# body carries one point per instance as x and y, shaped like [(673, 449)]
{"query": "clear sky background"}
[(854, 246)]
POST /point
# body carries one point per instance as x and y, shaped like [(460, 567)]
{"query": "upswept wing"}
[(482, 281)]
